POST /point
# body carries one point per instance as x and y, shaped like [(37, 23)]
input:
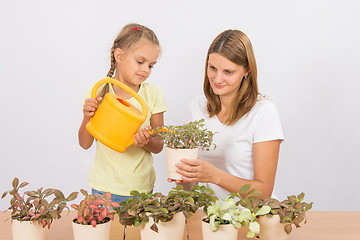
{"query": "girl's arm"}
[(89, 108), (145, 140), (265, 155)]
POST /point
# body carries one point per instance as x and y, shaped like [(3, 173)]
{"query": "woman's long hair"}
[(236, 47)]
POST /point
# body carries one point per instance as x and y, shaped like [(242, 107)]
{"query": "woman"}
[(247, 124)]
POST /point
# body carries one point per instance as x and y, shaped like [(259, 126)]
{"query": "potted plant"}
[(223, 221), (163, 216), (183, 142), (34, 211), (94, 215), (277, 224)]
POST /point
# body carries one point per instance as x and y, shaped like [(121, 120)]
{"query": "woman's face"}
[(225, 76)]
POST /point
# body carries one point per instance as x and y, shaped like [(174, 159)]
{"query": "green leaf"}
[(134, 193), (228, 204), (285, 219), (254, 227), (250, 234), (227, 216), (244, 188), (263, 210), (254, 193)]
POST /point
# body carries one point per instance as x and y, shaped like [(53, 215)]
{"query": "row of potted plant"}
[(154, 211)]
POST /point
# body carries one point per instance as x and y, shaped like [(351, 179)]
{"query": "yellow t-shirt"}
[(119, 173)]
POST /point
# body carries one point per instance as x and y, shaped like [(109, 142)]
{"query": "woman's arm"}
[(265, 157), (145, 140)]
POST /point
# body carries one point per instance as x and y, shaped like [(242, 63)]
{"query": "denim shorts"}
[(114, 197)]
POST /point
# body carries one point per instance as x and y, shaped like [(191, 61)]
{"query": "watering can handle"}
[(123, 86)]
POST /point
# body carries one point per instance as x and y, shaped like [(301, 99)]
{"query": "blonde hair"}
[(236, 47), (128, 36)]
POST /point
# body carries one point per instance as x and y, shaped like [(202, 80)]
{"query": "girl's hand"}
[(142, 137), (197, 170), (90, 106)]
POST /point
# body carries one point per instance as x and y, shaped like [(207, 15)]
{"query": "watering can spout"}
[(116, 121)]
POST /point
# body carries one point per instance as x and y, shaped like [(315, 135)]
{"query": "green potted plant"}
[(277, 224), (183, 141), (94, 215), (163, 216), (223, 221), (34, 211)]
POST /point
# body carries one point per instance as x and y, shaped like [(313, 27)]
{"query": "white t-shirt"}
[(234, 144)]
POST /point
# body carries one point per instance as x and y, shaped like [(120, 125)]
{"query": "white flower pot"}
[(172, 230), (228, 232), (28, 230), (88, 232), (174, 156), (271, 228)]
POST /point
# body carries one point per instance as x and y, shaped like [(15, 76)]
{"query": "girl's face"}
[(225, 76), (135, 64)]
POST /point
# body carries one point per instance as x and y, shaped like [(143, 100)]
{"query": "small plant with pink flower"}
[(95, 209)]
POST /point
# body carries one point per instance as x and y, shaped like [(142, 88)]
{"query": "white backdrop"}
[(307, 54)]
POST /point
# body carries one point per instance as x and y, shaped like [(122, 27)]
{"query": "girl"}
[(133, 55), (248, 126)]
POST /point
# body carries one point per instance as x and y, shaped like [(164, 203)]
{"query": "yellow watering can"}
[(116, 121)]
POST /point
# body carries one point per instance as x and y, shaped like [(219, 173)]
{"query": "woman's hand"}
[(142, 137), (90, 106), (197, 170)]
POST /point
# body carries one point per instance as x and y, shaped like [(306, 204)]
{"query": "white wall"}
[(307, 54)]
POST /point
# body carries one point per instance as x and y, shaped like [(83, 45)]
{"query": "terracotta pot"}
[(88, 232), (173, 229), (174, 156), (228, 232), (271, 228), (29, 230)]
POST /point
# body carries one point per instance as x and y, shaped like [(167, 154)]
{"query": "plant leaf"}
[(244, 188), (72, 196), (263, 210), (254, 227), (15, 182), (288, 228)]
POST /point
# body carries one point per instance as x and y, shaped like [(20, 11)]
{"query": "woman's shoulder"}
[(264, 102), (264, 105)]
